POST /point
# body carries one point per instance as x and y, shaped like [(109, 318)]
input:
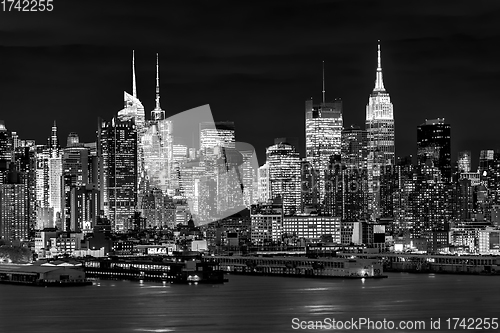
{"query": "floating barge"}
[(301, 266)]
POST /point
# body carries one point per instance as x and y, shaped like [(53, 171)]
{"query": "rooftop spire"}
[(379, 83), (157, 113), (323, 82), (157, 85), (134, 87)]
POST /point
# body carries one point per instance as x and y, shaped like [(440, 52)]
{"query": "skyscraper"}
[(354, 147), (75, 165), (118, 157), (5, 147), (284, 175), (324, 125), (156, 143), (14, 207), (380, 135), (433, 143), (220, 134), (464, 161)]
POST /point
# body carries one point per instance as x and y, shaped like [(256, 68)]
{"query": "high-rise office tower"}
[(48, 178), (324, 125), (249, 176), (380, 135), (218, 134), (264, 189), (117, 141), (25, 161), (6, 148), (134, 110), (354, 147), (230, 181), (214, 137), (430, 200), (284, 175), (75, 164), (464, 161), (433, 143), (402, 196), (14, 207), (309, 187)]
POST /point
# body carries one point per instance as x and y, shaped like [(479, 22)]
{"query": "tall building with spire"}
[(380, 136), (156, 143), (324, 125)]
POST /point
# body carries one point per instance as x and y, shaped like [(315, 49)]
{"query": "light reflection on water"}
[(245, 304)]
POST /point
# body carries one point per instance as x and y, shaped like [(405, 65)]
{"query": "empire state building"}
[(380, 135)]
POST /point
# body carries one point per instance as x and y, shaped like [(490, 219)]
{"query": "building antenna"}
[(134, 87), (157, 85), (323, 82)]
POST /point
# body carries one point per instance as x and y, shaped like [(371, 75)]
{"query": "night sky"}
[(254, 63)]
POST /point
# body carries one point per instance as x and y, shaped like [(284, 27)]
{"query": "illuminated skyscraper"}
[(354, 147), (156, 143), (134, 110), (117, 141), (464, 161), (433, 143), (75, 164), (48, 177), (380, 134), (6, 147), (214, 137), (249, 175), (263, 186), (324, 125), (14, 208), (218, 134), (284, 175)]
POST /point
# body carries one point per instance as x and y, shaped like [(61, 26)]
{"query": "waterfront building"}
[(284, 175), (312, 228), (489, 241), (380, 137), (433, 142), (266, 222)]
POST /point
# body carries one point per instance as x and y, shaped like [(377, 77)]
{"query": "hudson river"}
[(247, 304)]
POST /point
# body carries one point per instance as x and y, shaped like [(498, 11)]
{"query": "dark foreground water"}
[(246, 304)]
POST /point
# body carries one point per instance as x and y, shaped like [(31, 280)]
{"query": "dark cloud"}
[(254, 63)]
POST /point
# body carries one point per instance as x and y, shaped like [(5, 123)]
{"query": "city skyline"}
[(438, 61)]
